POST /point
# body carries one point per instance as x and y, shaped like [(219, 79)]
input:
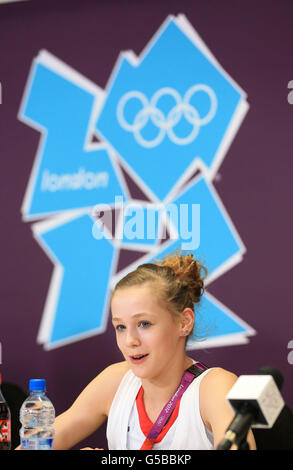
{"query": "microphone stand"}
[(226, 444), (237, 431), (243, 445)]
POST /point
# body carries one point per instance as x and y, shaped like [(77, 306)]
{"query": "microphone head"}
[(260, 393), (275, 373)]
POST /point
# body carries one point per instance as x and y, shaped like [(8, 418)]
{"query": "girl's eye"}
[(120, 327), (145, 324)]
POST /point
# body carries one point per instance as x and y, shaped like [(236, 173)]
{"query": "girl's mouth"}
[(137, 359)]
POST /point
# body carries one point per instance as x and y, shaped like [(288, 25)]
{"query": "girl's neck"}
[(158, 390)]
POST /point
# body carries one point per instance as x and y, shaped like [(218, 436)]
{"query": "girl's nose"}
[(132, 338)]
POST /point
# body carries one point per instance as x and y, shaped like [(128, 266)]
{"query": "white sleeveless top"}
[(187, 433)]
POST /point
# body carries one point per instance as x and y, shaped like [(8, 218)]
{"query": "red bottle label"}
[(5, 433)]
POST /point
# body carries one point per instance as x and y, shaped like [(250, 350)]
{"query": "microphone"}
[(257, 403)]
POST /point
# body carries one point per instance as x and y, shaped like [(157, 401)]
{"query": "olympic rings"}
[(166, 124)]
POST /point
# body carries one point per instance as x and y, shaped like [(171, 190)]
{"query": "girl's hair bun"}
[(189, 273)]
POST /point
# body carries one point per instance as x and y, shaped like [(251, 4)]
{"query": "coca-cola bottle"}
[(5, 422)]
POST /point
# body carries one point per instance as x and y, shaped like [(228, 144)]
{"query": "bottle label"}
[(5, 430), (37, 444)]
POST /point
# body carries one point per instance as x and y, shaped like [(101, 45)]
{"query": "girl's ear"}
[(186, 321)]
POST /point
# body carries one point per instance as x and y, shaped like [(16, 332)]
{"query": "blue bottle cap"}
[(38, 384)]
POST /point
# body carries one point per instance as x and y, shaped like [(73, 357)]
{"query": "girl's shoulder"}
[(214, 387), (115, 372), (215, 410), (217, 379), (110, 379)]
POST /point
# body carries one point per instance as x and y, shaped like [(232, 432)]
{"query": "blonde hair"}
[(178, 281)]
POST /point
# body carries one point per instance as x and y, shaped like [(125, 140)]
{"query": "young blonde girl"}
[(153, 313)]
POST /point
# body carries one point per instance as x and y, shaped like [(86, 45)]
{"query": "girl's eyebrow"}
[(134, 316)]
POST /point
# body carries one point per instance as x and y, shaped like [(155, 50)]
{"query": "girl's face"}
[(148, 335)]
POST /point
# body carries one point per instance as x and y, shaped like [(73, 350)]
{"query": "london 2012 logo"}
[(131, 167)]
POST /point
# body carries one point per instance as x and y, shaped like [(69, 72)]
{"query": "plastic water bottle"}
[(37, 416)]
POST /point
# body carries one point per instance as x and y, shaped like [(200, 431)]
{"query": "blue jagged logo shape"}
[(166, 120)]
